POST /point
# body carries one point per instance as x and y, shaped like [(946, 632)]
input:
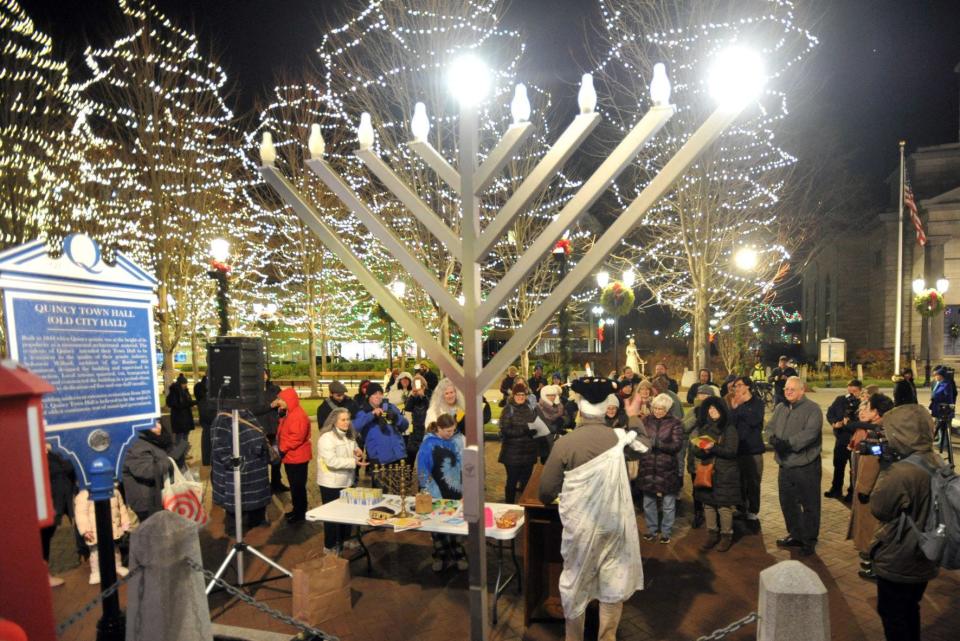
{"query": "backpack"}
[(940, 536)]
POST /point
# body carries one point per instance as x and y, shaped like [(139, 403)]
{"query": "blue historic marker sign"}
[(87, 328)]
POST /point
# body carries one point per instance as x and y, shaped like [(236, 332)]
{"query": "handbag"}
[(184, 497), (704, 475)]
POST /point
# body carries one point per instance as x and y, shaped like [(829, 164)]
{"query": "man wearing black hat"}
[(779, 377), (338, 398), (587, 470)]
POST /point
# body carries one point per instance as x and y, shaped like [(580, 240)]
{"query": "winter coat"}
[(144, 467), (268, 417), (659, 468), (723, 455), (553, 415), (944, 393), (416, 406), (692, 391), (536, 383), (206, 406), (843, 407), (517, 445), (904, 392), (328, 405), (383, 441), (180, 404), (431, 380), (293, 432), (439, 466), (336, 464), (254, 482), (399, 396), (62, 481), (747, 417), (85, 515), (904, 487), (506, 385), (800, 426), (863, 524)]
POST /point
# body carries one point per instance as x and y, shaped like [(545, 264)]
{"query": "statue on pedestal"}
[(633, 356)]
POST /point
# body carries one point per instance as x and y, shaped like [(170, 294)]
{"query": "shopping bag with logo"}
[(183, 496), (321, 589)]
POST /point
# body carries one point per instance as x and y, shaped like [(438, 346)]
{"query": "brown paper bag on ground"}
[(321, 589)]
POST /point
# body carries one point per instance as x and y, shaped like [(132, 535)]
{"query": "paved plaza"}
[(687, 594)]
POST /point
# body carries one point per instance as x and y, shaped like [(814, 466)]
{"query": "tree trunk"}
[(312, 341), (166, 340), (701, 332), (194, 353), (525, 362), (445, 329)]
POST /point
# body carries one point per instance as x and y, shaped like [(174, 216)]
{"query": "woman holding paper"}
[(518, 446)]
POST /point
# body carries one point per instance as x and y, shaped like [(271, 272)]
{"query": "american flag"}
[(911, 204)]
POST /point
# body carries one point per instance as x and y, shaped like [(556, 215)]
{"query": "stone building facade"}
[(850, 287)]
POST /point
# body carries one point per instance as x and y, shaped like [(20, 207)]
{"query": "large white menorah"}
[(471, 312)]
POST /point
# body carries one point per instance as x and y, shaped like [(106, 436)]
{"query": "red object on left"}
[(24, 483)]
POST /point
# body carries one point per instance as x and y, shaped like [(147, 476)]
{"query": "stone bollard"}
[(166, 599), (793, 604)]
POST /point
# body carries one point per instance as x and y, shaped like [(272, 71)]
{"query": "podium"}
[(542, 563)]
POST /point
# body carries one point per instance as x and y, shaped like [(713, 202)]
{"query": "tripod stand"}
[(239, 547)]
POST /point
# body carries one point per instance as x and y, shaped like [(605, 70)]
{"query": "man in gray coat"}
[(796, 434)]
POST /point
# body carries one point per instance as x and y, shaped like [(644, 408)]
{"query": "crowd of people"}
[(625, 439)]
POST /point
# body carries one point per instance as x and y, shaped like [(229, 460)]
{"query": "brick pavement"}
[(687, 593)]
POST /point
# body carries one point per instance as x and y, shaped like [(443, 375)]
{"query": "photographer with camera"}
[(944, 394), (865, 447), (841, 415), (381, 425)]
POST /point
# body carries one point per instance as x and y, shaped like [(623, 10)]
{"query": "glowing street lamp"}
[(737, 76), (603, 279), (469, 79), (746, 259)]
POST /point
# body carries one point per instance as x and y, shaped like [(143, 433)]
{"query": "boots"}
[(713, 537), (726, 540), (94, 567)]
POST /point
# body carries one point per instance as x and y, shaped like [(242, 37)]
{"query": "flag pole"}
[(899, 316)]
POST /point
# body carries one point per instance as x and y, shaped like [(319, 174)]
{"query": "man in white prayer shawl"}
[(601, 544)]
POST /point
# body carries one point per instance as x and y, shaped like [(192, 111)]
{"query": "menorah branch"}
[(328, 237), (437, 162), (586, 196), (421, 210), (515, 136), (393, 244)]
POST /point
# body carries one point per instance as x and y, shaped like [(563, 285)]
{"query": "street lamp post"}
[(595, 313), (919, 288), (219, 270)]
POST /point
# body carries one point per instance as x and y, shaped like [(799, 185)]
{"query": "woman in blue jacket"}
[(381, 425)]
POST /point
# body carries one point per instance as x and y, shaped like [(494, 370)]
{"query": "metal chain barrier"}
[(82, 612), (307, 633), (733, 627)]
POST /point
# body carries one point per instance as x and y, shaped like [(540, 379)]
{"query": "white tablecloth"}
[(340, 512)]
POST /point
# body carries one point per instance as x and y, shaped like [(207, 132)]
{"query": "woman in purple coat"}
[(659, 479)]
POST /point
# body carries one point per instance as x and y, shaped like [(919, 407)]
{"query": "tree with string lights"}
[(160, 102), (722, 239)]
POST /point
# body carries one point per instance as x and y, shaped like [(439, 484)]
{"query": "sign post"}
[(86, 327)]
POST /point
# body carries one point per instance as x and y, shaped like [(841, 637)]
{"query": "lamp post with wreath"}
[(929, 303), (616, 299)]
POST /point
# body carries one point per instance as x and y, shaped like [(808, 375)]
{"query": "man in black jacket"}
[(207, 409), (337, 398), (661, 370), (779, 377), (269, 419), (747, 416), (841, 415)]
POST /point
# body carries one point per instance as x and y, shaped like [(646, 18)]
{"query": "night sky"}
[(885, 67)]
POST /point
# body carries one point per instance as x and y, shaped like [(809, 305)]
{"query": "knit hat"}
[(595, 395), (336, 387), (181, 380), (708, 390), (519, 388), (373, 388), (548, 390)]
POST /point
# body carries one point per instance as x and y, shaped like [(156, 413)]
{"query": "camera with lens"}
[(387, 419)]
